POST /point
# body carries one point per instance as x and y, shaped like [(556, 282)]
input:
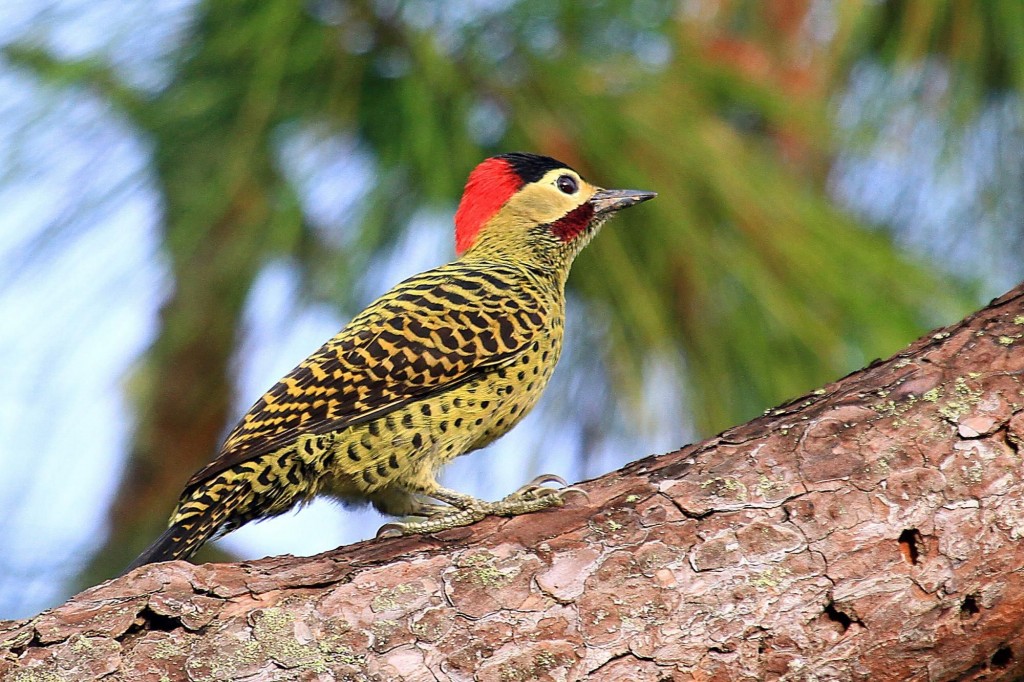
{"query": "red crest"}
[(490, 185)]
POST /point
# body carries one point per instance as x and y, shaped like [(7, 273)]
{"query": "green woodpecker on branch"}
[(443, 364)]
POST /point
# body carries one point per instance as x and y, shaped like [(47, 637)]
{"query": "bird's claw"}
[(573, 489), (546, 478), (391, 530), (531, 492), (536, 489)]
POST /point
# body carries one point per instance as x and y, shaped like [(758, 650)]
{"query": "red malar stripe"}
[(573, 223)]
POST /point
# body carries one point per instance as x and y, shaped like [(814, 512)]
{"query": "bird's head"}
[(518, 200)]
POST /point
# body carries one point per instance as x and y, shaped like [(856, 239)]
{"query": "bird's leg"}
[(456, 499), (427, 509), (531, 497), (471, 511), (400, 502)]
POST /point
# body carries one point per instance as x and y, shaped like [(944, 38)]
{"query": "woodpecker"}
[(442, 364)]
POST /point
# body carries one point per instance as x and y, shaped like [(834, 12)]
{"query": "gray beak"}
[(610, 200)]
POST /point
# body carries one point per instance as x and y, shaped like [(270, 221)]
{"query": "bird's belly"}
[(414, 441), (497, 402)]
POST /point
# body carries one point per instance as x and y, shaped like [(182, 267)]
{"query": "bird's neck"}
[(546, 267), (531, 248)]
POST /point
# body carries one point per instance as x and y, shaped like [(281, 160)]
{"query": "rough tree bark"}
[(868, 531)]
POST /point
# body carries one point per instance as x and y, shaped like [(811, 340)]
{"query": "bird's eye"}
[(567, 184)]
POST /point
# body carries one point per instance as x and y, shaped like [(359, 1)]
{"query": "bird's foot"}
[(535, 496), (536, 489), (465, 509), (450, 518)]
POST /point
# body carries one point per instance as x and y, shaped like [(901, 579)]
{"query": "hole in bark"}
[(910, 545), (19, 649), (1002, 657), (969, 606), (838, 616), (153, 621)]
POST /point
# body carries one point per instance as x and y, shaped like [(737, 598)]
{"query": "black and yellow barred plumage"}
[(441, 365)]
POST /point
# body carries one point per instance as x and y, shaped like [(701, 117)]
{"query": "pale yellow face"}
[(545, 201), (531, 226), (533, 210)]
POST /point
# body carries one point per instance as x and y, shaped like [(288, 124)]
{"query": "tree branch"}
[(869, 530)]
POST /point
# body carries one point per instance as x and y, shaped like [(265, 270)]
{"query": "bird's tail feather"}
[(188, 533), (177, 542)]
